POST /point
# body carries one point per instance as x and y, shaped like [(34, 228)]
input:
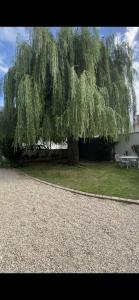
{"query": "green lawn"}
[(97, 178)]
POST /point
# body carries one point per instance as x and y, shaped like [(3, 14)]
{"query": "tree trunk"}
[(73, 152)]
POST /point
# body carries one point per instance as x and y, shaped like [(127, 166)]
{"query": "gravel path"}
[(45, 229)]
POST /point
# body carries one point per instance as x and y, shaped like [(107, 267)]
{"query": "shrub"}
[(7, 149), (4, 163)]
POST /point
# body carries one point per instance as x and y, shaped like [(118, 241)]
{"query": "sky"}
[(9, 36)]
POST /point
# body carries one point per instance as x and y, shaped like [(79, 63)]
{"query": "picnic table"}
[(129, 160)]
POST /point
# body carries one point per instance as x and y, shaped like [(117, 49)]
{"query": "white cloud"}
[(3, 66), (118, 38), (3, 69), (136, 65), (9, 34), (130, 36)]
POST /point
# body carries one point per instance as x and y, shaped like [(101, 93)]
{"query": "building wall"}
[(59, 146), (137, 124), (122, 146), (51, 145)]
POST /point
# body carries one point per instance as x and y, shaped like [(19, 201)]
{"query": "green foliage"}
[(7, 132), (28, 111), (9, 89), (73, 86), (8, 151)]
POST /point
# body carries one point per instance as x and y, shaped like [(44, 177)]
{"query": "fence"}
[(44, 154)]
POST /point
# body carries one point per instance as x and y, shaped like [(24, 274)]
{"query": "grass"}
[(98, 178), (6, 164)]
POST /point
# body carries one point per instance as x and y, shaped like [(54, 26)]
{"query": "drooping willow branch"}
[(73, 85)]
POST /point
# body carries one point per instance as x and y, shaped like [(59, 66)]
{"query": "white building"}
[(124, 145)]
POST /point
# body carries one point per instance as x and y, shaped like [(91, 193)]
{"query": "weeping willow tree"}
[(69, 87)]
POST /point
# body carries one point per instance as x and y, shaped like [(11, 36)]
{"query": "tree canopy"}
[(69, 86)]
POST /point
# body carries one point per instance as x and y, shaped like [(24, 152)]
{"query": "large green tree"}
[(69, 87)]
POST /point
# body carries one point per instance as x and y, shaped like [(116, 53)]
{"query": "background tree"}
[(7, 132), (69, 87)]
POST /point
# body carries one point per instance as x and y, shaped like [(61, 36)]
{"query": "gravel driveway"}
[(45, 229)]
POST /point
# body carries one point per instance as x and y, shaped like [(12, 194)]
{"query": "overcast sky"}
[(9, 35)]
